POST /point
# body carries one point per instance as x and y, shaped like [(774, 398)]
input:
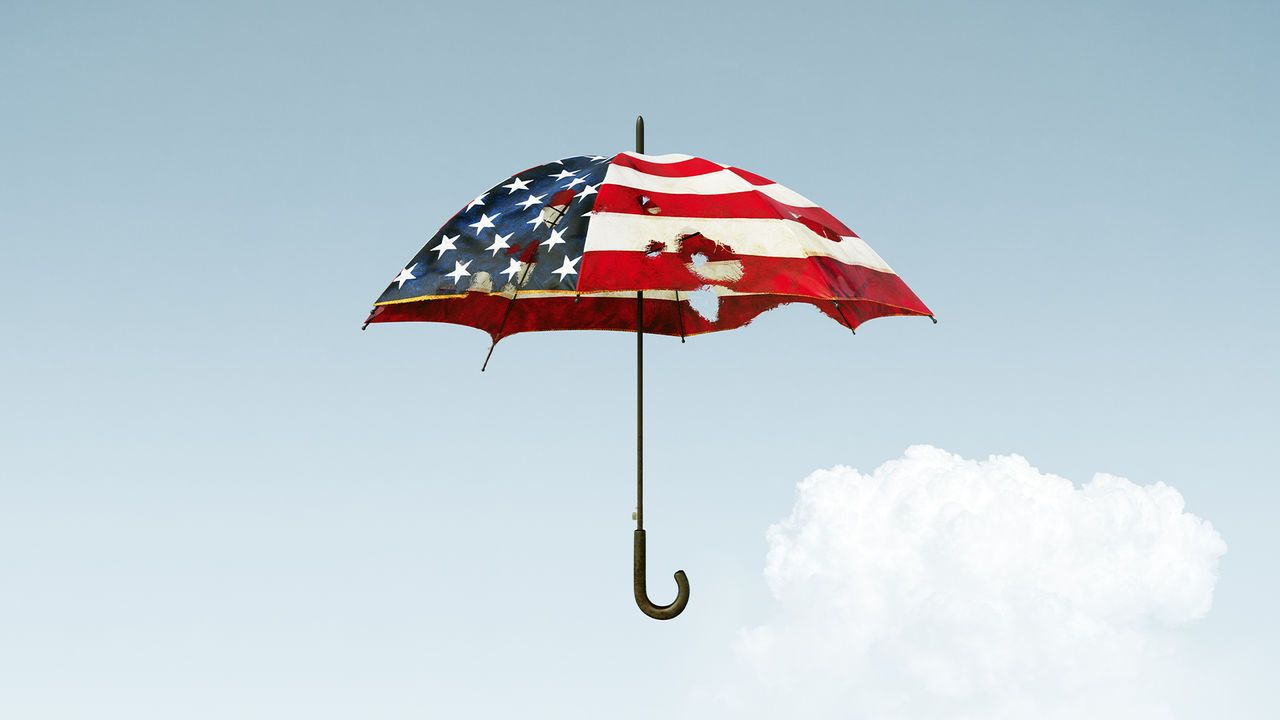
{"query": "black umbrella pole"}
[(639, 566), (639, 412)]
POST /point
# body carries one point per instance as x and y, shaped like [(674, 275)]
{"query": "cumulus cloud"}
[(939, 587)]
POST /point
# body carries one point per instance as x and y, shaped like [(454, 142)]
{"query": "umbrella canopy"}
[(566, 245), (620, 243)]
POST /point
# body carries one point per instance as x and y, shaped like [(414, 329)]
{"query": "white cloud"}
[(939, 587)]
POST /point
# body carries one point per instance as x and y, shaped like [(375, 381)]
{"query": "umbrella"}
[(668, 244)]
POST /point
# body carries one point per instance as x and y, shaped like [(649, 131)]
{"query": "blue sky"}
[(218, 496)]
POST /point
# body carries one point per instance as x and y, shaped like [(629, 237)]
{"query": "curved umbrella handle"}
[(657, 612)]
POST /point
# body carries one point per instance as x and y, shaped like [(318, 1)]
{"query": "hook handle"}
[(657, 612)]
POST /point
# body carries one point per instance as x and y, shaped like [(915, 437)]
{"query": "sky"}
[(219, 497)]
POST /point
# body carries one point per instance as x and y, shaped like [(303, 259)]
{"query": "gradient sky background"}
[(218, 498)]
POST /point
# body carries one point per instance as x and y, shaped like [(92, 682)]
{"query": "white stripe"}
[(720, 182), (664, 159), (744, 236), (786, 195)]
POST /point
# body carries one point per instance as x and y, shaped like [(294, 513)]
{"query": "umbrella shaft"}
[(639, 375), (639, 410)]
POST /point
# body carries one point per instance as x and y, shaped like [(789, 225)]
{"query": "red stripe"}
[(662, 317), (682, 168), (750, 177), (816, 276), (685, 168), (746, 204)]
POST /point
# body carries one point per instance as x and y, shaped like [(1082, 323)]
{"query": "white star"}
[(530, 201), (564, 174), (536, 222), (499, 243), (587, 190), (459, 271), (557, 238), (484, 222), (516, 184), (575, 181), (405, 276), (596, 158), (478, 201), (513, 268), (446, 243), (567, 268)]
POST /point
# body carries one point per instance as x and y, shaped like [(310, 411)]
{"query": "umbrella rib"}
[(507, 313), (680, 316), (842, 317)]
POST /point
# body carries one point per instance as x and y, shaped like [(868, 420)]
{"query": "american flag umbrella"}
[(595, 242)]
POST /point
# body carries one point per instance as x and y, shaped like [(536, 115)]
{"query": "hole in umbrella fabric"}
[(705, 302)]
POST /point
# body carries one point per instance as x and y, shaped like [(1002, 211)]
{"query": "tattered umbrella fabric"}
[(566, 246)]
